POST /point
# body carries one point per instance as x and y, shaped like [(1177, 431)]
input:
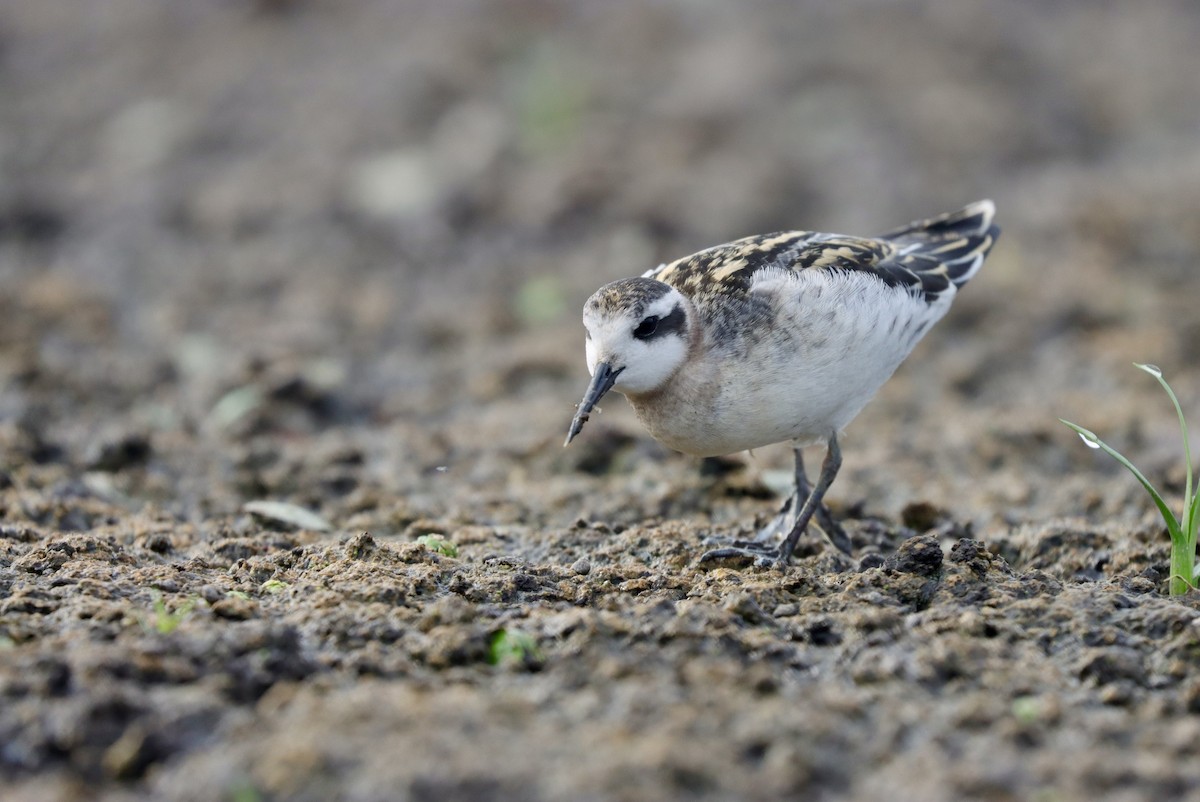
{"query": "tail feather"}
[(959, 240)]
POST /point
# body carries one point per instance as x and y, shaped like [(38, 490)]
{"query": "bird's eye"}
[(646, 328)]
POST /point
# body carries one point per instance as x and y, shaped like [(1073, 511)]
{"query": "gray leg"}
[(829, 470), (784, 522), (836, 535), (809, 499)]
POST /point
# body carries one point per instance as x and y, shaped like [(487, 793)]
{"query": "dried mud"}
[(332, 257)]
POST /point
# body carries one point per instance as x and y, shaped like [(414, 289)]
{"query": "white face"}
[(647, 348)]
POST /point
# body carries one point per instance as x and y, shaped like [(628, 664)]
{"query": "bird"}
[(777, 337)]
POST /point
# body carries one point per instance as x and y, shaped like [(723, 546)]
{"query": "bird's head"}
[(638, 333)]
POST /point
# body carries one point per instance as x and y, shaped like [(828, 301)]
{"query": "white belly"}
[(803, 379)]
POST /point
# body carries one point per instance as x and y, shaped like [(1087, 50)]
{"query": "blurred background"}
[(336, 252)]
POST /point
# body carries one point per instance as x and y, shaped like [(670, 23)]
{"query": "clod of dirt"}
[(117, 454), (235, 608), (921, 516), (747, 607), (919, 555), (1108, 664)]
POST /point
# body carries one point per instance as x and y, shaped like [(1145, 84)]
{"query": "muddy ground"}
[(331, 255)]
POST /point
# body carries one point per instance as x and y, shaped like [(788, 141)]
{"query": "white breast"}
[(834, 339)]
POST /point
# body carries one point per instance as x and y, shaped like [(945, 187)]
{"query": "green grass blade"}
[(1193, 520), (1183, 567), (1156, 372), (1093, 441)]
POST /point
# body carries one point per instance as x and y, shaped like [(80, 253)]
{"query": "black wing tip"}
[(959, 241), (974, 218)]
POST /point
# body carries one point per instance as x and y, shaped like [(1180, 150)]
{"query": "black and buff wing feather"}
[(925, 257)]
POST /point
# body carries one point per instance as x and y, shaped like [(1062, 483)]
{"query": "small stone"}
[(581, 567), (919, 555), (870, 561), (1118, 694), (235, 608), (966, 550), (360, 547), (129, 756), (747, 607), (286, 515), (1109, 664), (159, 543), (920, 516), (123, 452)]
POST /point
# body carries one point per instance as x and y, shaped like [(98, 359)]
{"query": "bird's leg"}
[(829, 470), (833, 531), (809, 501), (782, 523)]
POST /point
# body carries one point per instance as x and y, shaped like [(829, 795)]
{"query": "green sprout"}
[(513, 645), (165, 621), (244, 791), (438, 545), (1028, 710), (1182, 530)]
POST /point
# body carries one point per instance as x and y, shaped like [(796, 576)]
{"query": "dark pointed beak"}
[(602, 381)]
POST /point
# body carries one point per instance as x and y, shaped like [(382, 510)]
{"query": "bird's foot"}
[(742, 554), (775, 531), (781, 525)]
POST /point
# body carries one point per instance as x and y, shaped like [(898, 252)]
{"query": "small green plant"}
[(1028, 710), (165, 621), (274, 586), (244, 791), (438, 545), (1182, 529), (513, 645)]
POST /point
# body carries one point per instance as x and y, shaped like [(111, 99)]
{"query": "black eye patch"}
[(646, 328), (654, 327)]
